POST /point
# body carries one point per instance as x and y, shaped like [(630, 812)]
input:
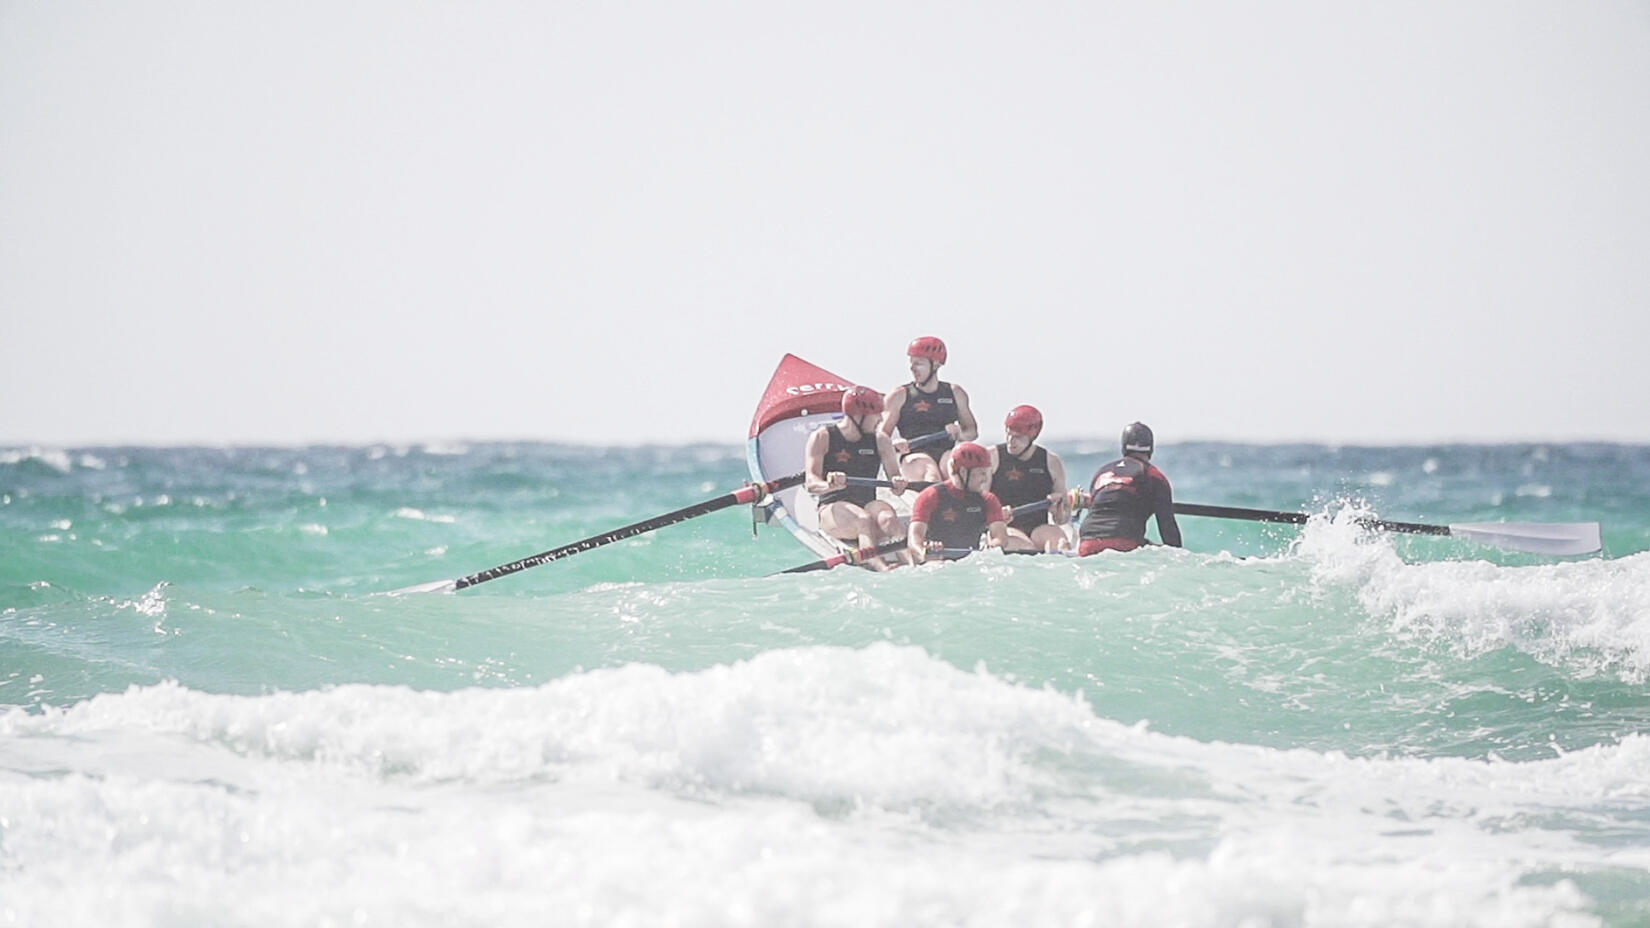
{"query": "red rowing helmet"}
[(1024, 420), (861, 401), (927, 347), (968, 456)]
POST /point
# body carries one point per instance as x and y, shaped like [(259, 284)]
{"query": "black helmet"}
[(1137, 437)]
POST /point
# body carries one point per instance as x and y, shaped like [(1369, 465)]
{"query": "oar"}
[(748, 493), (876, 482), (857, 556), (861, 555), (1532, 537), (928, 439)]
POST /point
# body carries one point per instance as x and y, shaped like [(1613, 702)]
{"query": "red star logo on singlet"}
[(1015, 474), (950, 515), (922, 406), (842, 457)]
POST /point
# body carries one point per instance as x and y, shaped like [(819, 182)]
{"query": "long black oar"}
[(748, 493), (1532, 537)]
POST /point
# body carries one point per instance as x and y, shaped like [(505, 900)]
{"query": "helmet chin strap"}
[(933, 374)]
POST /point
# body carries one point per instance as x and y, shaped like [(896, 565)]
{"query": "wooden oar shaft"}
[(749, 493)]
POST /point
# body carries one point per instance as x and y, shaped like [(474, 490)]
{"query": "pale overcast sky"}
[(236, 222)]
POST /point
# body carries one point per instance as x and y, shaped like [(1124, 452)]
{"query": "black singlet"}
[(1019, 482), (856, 459), (927, 413)]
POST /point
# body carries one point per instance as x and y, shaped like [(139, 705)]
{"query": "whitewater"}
[(212, 712)]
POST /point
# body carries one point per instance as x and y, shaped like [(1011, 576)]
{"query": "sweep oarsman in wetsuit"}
[(1125, 493), (1029, 473), (854, 448), (925, 406), (954, 514)]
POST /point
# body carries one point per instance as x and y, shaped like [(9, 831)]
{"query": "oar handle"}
[(1076, 499), (923, 440), (876, 482), (912, 444), (749, 493)]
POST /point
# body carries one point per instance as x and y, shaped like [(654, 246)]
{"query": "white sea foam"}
[(1590, 615), (445, 448), (419, 515), (815, 786), (54, 458)]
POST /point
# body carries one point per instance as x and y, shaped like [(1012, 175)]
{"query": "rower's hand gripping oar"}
[(749, 493), (862, 555), (1532, 537), (917, 442), (856, 556)]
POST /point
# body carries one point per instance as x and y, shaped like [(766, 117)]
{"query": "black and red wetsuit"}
[(956, 518), (925, 414), (1018, 483), (1126, 493), (854, 458)]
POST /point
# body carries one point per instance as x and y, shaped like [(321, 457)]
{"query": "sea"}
[(216, 711)]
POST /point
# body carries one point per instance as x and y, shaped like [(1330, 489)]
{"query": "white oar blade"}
[(1534, 537)]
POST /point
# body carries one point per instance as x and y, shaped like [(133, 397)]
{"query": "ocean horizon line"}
[(457, 445)]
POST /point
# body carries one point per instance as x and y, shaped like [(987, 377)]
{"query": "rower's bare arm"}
[(916, 541), (996, 534), (967, 428), (815, 480), (1167, 528), (890, 410), (890, 462), (1059, 508)]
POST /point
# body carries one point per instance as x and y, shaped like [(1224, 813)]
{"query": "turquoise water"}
[(207, 698)]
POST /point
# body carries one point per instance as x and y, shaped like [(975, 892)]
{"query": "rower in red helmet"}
[(1028, 473), (925, 406), (955, 513), (854, 448), (1126, 493)]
